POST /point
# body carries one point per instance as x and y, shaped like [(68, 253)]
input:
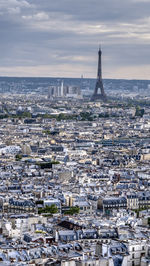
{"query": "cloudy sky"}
[(60, 38)]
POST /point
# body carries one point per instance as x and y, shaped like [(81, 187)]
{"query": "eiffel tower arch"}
[(99, 82)]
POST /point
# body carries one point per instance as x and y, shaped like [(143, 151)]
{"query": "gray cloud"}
[(45, 37)]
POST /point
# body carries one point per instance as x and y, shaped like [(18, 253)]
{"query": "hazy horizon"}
[(52, 77)]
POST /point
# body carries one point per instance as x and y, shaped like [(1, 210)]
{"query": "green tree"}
[(47, 132), (72, 210), (18, 157), (26, 114), (139, 111), (86, 116), (48, 209)]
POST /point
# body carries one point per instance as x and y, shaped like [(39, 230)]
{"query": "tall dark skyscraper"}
[(99, 83)]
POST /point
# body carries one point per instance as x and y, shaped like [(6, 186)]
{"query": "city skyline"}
[(61, 38)]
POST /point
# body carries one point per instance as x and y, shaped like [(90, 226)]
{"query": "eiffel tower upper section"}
[(99, 82)]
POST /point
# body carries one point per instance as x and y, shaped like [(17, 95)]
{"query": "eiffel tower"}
[(99, 83)]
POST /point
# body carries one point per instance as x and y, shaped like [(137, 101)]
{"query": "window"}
[(133, 249), (132, 263), (132, 256)]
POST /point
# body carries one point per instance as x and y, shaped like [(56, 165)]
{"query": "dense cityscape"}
[(74, 173)]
